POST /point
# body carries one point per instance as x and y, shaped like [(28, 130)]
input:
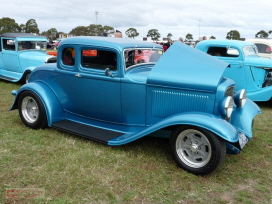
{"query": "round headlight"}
[(226, 107), (240, 98)]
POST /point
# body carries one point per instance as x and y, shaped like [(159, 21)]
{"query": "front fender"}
[(217, 125), (52, 106), (242, 118)]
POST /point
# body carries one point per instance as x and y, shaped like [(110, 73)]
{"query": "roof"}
[(16, 35), (236, 43), (117, 43), (23, 36), (260, 40)]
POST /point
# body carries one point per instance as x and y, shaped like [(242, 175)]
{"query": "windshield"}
[(137, 56), (32, 45), (250, 50)]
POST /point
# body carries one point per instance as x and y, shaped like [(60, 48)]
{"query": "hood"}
[(185, 67), (32, 58), (258, 61)]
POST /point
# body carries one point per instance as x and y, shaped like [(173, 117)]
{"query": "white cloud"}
[(181, 17)]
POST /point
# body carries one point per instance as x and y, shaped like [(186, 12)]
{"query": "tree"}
[(91, 30), (31, 26), (51, 34), (169, 36), (154, 34), (261, 34), (270, 31), (132, 33), (22, 28), (95, 30), (189, 36), (79, 31), (212, 37), (108, 29), (233, 35), (8, 25)]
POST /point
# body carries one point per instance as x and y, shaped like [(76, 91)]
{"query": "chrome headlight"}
[(240, 98), (226, 107)]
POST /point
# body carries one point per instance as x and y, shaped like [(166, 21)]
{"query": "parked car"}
[(264, 46), (101, 93), (20, 54), (246, 68)]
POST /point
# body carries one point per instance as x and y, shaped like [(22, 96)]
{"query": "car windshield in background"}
[(32, 45), (138, 56), (250, 50)]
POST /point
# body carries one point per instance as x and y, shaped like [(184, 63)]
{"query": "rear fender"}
[(52, 106)]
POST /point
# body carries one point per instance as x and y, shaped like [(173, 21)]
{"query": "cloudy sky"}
[(178, 17)]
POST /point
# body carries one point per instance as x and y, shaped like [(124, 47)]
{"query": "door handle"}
[(78, 75)]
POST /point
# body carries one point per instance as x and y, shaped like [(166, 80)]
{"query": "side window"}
[(262, 48), (98, 59), (8, 44), (68, 56), (223, 52)]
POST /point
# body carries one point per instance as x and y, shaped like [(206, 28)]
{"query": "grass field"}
[(75, 170)]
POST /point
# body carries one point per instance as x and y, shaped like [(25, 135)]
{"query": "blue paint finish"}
[(249, 71), (52, 106), (15, 61), (185, 87), (187, 68), (214, 124)]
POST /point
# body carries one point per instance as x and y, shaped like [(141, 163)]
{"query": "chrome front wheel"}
[(193, 148), (197, 150)]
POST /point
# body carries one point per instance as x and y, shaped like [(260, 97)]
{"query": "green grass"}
[(76, 170)]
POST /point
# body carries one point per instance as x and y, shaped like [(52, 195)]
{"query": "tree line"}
[(8, 25)]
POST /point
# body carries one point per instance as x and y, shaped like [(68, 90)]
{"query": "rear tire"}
[(32, 111), (197, 150)]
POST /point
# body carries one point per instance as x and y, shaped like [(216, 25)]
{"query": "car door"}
[(87, 91), (9, 56)]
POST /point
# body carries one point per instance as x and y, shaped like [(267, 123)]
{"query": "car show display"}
[(116, 91), (246, 67), (20, 53)]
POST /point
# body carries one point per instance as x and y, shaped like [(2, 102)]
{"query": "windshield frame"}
[(35, 44), (248, 53)]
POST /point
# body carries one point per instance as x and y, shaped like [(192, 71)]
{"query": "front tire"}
[(196, 150), (32, 111), (26, 77)]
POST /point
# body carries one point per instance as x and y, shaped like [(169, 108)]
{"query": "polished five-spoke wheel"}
[(197, 150), (31, 110)]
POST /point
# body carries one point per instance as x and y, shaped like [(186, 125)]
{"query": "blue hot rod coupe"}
[(20, 53), (246, 67), (116, 91)]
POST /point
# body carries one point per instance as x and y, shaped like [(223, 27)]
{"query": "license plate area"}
[(242, 140)]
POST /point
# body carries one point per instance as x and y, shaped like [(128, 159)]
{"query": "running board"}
[(93, 133), (7, 78)]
